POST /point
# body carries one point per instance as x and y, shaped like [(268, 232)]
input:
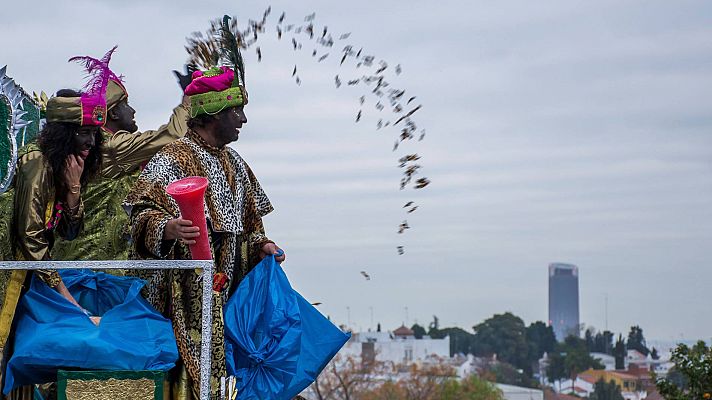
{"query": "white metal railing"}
[(206, 276)]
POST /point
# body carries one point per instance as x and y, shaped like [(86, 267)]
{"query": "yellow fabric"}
[(115, 92), (181, 387), (69, 109), (124, 152), (12, 296), (34, 192), (64, 109)]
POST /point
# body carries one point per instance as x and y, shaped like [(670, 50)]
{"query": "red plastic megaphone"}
[(189, 193)]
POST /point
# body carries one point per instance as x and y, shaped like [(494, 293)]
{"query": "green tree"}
[(601, 342), (556, 370), (570, 358), (418, 331), (606, 391), (461, 341), (435, 382), (654, 354), (502, 372), (472, 388), (589, 337), (505, 336), (636, 340), (620, 352), (694, 366), (540, 339)]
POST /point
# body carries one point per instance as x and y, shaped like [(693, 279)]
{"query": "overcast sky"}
[(566, 131)]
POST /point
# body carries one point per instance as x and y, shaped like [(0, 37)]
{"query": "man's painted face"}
[(228, 124), (84, 140), (124, 114)]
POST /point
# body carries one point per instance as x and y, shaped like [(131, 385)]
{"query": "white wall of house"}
[(510, 392), (608, 361), (397, 350)]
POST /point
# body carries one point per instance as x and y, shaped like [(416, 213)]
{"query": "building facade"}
[(397, 347), (564, 300)]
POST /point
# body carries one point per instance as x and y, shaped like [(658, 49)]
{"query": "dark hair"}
[(56, 142), (201, 120)]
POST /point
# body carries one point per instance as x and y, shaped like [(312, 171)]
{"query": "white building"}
[(608, 361), (510, 392), (398, 347)]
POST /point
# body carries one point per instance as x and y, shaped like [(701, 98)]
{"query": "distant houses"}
[(398, 347), (635, 381)]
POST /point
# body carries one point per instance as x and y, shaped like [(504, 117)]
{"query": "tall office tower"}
[(563, 300)]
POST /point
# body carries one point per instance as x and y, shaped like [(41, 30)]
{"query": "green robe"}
[(105, 235)]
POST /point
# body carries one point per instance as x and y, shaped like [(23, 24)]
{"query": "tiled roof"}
[(403, 331)]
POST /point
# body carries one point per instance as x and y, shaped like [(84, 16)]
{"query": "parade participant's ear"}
[(184, 80), (112, 114)]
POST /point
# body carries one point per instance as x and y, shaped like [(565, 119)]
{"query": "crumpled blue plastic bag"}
[(52, 334), (276, 342)]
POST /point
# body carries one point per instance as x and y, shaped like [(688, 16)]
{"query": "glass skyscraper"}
[(563, 300)]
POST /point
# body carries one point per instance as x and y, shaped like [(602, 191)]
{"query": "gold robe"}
[(36, 219), (105, 235)]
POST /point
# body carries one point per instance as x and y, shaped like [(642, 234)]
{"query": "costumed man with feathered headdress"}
[(125, 150), (234, 206)]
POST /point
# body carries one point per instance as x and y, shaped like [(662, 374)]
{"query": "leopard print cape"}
[(234, 206)]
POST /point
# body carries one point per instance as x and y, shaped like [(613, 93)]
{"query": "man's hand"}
[(95, 320), (271, 248), (181, 229), (184, 80)]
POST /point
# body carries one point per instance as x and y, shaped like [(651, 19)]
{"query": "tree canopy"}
[(694, 366), (603, 390), (570, 358), (505, 336), (636, 340)]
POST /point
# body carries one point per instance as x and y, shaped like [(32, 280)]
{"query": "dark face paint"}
[(124, 114), (227, 125), (84, 140)]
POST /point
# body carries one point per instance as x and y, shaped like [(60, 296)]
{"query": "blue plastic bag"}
[(51, 333), (276, 342)]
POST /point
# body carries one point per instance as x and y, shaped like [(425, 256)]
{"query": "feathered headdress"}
[(230, 48), (220, 45), (222, 85), (90, 108), (94, 93)]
